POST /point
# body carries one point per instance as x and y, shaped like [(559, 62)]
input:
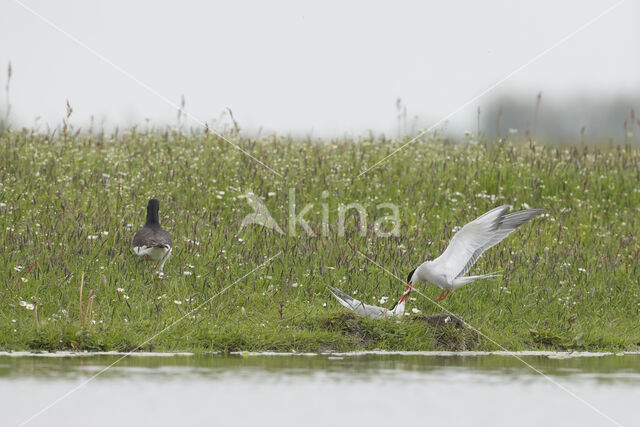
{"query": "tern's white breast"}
[(432, 272)]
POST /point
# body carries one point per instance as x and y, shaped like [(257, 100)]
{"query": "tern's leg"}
[(443, 295)]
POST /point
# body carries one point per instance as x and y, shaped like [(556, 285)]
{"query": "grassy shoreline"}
[(70, 204)]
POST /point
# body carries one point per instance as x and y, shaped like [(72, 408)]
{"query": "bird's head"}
[(410, 279), (398, 307), (153, 204)]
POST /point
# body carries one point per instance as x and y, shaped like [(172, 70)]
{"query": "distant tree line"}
[(582, 118)]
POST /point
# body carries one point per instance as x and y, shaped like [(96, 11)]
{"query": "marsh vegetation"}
[(71, 200)]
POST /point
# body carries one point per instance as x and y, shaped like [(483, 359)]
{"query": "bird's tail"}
[(341, 297), (461, 281)]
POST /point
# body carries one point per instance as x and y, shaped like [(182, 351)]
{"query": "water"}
[(320, 390)]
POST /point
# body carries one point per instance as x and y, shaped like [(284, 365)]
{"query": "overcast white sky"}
[(328, 67)]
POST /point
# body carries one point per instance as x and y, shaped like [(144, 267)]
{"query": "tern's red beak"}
[(407, 292)]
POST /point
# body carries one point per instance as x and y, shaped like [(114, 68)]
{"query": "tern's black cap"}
[(410, 275)]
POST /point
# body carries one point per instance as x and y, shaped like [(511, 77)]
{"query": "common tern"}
[(448, 270), (151, 241), (371, 311)]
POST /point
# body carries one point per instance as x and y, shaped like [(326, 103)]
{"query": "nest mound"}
[(441, 320), (449, 331)]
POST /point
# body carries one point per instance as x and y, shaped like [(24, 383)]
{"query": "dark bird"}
[(151, 241)]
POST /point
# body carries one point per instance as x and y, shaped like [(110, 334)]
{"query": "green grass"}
[(571, 279)]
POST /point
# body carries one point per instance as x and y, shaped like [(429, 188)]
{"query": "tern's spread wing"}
[(479, 235)]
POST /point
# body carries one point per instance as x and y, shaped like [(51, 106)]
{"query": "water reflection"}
[(321, 389), (604, 368)]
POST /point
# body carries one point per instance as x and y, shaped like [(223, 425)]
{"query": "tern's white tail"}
[(461, 281), (343, 298)]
